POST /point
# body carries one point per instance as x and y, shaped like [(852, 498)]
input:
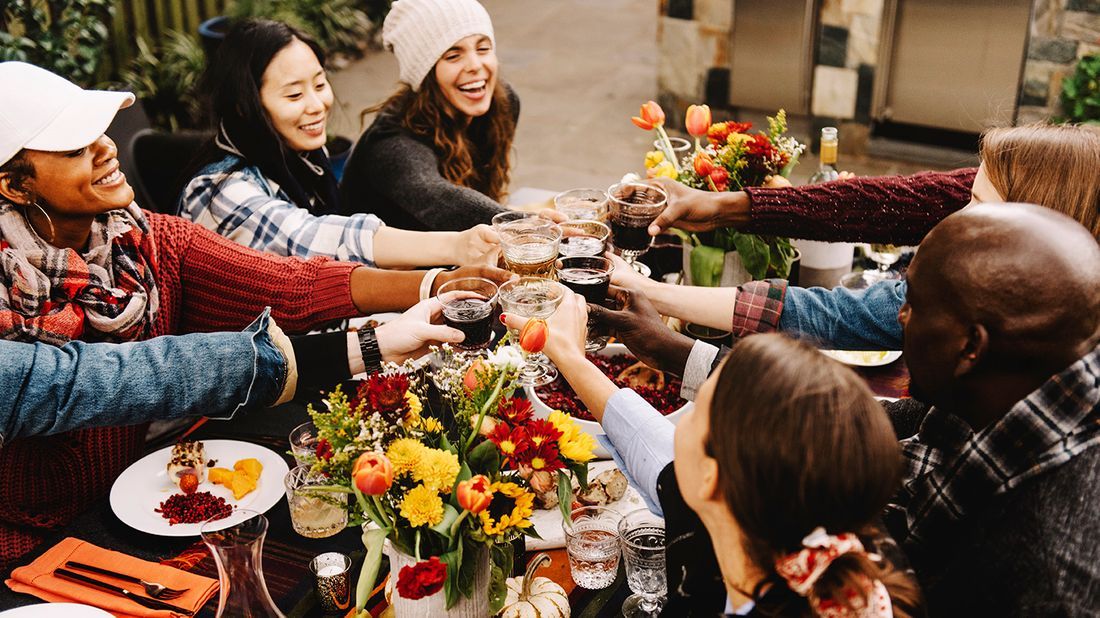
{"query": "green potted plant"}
[(1081, 92), (68, 37)]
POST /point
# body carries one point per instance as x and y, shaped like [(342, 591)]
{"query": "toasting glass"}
[(634, 205), (532, 297), (642, 535)]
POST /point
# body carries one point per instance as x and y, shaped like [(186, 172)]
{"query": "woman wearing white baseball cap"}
[(80, 261), (437, 156)]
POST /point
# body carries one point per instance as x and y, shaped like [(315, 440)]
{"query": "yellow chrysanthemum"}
[(422, 506), (511, 508), (653, 158), (574, 443), (737, 138), (437, 469), (664, 169), (412, 417), (404, 454), (431, 425)]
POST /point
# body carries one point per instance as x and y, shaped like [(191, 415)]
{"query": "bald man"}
[(1000, 509)]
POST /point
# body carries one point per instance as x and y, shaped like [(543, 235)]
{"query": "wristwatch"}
[(368, 346)]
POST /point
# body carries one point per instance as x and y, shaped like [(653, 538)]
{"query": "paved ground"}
[(581, 69)]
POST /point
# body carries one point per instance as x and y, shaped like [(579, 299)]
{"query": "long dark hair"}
[(455, 136), (800, 443), (233, 82)]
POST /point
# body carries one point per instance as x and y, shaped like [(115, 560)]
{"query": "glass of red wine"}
[(590, 277), (633, 206), (468, 305)]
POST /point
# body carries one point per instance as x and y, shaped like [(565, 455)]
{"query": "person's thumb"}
[(603, 315)]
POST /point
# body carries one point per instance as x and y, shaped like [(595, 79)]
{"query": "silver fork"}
[(153, 589)]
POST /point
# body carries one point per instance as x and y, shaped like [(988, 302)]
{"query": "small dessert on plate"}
[(187, 459)]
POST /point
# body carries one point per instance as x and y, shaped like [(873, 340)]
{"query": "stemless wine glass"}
[(532, 297), (303, 441), (642, 535), (583, 237), (634, 205), (530, 246), (317, 508), (590, 277), (468, 304), (582, 204), (592, 542)]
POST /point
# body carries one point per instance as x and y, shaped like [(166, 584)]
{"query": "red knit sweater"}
[(896, 210), (206, 283)]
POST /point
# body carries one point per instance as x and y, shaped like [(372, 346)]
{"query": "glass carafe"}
[(237, 551)]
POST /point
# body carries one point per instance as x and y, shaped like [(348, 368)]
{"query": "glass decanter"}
[(237, 551)]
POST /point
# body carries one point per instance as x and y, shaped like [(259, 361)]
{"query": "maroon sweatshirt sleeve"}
[(897, 210)]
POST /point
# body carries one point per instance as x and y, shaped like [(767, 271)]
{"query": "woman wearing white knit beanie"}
[(437, 157)]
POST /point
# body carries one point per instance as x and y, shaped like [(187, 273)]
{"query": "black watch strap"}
[(368, 346)]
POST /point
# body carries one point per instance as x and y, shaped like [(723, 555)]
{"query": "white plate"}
[(548, 522), (144, 485), (56, 610), (863, 359)]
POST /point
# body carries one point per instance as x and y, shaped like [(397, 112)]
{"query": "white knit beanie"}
[(419, 31)]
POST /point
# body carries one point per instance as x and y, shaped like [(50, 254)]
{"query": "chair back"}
[(161, 160)]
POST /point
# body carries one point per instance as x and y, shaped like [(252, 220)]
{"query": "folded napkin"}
[(37, 579)]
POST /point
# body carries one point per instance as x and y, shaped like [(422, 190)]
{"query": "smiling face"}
[(467, 75), (80, 183), (296, 95)]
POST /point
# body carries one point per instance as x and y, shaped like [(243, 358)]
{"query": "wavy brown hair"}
[(801, 442), (428, 115), (1057, 166)]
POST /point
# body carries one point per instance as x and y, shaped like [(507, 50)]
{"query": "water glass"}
[(592, 542), (303, 442), (680, 147), (318, 509), (468, 304), (582, 204), (583, 237), (332, 581), (530, 246), (590, 277), (532, 297), (634, 205), (642, 535)]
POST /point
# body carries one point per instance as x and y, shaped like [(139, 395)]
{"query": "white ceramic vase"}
[(477, 606)]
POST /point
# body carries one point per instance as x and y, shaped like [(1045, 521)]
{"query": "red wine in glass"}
[(472, 316)]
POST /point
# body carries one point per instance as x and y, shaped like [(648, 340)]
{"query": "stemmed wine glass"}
[(884, 256), (634, 205), (532, 297), (582, 204), (529, 244), (642, 536)]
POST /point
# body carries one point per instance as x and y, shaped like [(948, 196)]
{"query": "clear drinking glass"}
[(634, 205), (508, 216), (590, 277), (583, 237), (532, 297), (318, 509), (468, 305), (592, 542), (884, 256), (530, 246), (642, 535), (237, 552), (680, 147), (582, 204), (303, 441)]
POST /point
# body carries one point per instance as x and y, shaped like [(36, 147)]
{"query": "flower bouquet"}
[(727, 157), (445, 492)]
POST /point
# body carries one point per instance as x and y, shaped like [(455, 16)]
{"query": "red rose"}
[(422, 579)]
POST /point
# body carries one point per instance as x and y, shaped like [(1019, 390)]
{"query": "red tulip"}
[(372, 474), (651, 116), (697, 120), (719, 179), (534, 335), (703, 164), (474, 495)]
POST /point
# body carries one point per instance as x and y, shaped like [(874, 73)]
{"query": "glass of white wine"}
[(885, 256)]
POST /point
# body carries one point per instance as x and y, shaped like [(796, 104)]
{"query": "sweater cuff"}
[(332, 291), (758, 306)]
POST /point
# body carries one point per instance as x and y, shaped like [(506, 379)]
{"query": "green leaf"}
[(754, 254), (450, 514), (581, 470), (502, 556), (684, 236), (372, 540), (453, 559), (485, 458), (565, 496), (789, 167), (467, 572), (706, 265), (531, 532)]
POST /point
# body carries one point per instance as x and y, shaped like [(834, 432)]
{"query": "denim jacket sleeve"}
[(46, 389), (845, 319)]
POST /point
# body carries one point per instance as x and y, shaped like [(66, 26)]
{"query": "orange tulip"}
[(470, 379), (534, 335), (372, 474), (697, 120), (474, 495), (651, 116), (703, 164)]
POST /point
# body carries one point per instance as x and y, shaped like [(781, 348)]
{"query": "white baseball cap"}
[(43, 111)]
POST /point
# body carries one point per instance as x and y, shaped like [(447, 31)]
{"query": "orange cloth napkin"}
[(37, 579)]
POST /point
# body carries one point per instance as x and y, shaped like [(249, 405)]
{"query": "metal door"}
[(772, 54)]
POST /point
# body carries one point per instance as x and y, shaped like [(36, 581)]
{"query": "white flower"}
[(505, 358)]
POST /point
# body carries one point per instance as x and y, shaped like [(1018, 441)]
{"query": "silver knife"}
[(140, 600)]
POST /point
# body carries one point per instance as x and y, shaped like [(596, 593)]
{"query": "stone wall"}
[(1062, 31)]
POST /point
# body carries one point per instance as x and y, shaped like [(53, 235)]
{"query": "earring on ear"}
[(53, 232)]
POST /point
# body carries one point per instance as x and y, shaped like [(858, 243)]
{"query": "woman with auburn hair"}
[(265, 179), (1050, 165), (770, 487), (437, 157)]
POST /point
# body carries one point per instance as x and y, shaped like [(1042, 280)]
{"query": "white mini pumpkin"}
[(535, 597)]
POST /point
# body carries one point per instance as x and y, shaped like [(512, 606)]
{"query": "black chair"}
[(161, 161)]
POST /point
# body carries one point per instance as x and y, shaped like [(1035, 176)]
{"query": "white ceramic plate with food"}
[(142, 487), (56, 610), (858, 358)]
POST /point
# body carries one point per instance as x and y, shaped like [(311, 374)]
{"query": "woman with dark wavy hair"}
[(437, 157)]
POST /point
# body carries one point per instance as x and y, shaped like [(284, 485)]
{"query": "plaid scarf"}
[(57, 295), (951, 470)]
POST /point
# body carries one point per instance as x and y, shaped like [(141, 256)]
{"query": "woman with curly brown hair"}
[(437, 157)]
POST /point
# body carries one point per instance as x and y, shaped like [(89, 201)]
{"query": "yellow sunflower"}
[(511, 508), (436, 469), (574, 443), (404, 454), (422, 506)]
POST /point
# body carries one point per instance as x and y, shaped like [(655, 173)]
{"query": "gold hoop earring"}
[(53, 231)]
